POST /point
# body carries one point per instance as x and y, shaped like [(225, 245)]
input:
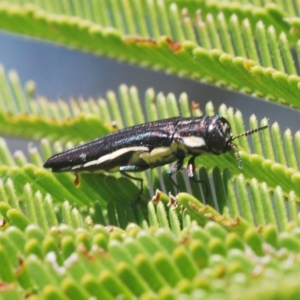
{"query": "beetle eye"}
[(219, 135)]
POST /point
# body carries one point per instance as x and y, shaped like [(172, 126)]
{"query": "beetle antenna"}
[(248, 132), (238, 157), (234, 147)]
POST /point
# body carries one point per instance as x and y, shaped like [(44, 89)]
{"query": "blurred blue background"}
[(62, 72)]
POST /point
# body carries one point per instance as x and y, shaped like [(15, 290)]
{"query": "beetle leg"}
[(174, 169), (191, 173), (191, 167), (124, 169), (134, 178)]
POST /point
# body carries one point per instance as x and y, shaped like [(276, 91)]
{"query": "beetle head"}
[(220, 137)]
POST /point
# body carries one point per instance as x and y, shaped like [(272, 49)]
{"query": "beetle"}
[(151, 145)]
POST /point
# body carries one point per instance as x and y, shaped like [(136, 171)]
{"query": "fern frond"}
[(249, 50), (274, 159), (67, 261), (78, 237)]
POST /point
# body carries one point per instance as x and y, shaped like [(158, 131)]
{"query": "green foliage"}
[(245, 48), (65, 236)]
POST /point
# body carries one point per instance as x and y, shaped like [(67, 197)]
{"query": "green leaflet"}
[(65, 261), (245, 48), (275, 157), (240, 239), (232, 201)]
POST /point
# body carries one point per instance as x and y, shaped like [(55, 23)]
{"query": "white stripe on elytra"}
[(115, 154), (193, 141), (186, 122), (76, 167)]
